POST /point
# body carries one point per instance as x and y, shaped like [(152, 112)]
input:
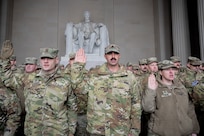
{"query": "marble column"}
[(6, 7), (201, 26), (180, 29)]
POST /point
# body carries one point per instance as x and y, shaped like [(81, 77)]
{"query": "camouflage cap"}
[(72, 55), (143, 62), (191, 58), (48, 53), (175, 59), (129, 64), (12, 58), (135, 67), (195, 62), (112, 48), (165, 64), (31, 60), (151, 60)]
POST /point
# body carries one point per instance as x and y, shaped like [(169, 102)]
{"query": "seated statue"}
[(92, 37)]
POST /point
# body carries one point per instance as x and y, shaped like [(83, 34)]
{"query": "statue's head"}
[(86, 15)]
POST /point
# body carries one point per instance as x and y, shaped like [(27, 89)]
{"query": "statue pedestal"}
[(92, 60)]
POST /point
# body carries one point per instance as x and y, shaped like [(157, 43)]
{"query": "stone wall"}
[(41, 23)]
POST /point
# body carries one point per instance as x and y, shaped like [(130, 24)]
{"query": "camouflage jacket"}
[(114, 106), (49, 103), (190, 78), (10, 110), (198, 94)]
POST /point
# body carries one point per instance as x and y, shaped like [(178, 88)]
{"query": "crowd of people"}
[(151, 98)]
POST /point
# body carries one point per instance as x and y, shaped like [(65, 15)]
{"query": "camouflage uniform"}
[(143, 83), (113, 101), (49, 101), (198, 97), (10, 111), (82, 107)]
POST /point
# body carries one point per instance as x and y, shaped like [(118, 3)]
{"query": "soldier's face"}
[(112, 58), (168, 74), (153, 67), (143, 67), (48, 64), (29, 68)]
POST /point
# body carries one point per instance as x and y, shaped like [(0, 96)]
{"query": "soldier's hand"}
[(152, 82), (6, 50), (80, 56)]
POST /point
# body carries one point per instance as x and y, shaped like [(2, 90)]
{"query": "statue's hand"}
[(80, 56), (100, 24), (6, 50)]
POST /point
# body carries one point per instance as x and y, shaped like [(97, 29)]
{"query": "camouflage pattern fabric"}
[(49, 103), (198, 94), (190, 79), (113, 101), (10, 111)]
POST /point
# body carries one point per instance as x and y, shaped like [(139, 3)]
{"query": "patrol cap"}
[(143, 62), (175, 59), (72, 55), (48, 53), (196, 62), (112, 48), (12, 58), (151, 60), (191, 58), (129, 64), (31, 60), (135, 67), (165, 64)]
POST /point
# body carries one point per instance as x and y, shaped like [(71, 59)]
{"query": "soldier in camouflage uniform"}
[(192, 75), (172, 113), (81, 102), (49, 100), (143, 66), (152, 67), (10, 106), (71, 61), (129, 66), (114, 107), (26, 76), (10, 111), (198, 97)]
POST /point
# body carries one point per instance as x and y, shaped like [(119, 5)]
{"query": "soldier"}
[(176, 60), (10, 111), (143, 65), (71, 61), (10, 106), (172, 113), (81, 102), (13, 62), (198, 97), (113, 107), (135, 69), (26, 77), (192, 75), (129, 66), (152, 67), (49, 100)]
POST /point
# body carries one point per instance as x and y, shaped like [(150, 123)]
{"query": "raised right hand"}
[(6, 50), (152, 82)]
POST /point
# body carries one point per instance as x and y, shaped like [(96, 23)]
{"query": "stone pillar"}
[(6, 7), (162, 29), (180, 29), (201, 26)]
